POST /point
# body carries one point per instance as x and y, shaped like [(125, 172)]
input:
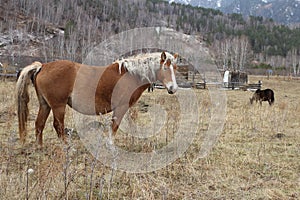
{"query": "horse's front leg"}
[(117, 117)]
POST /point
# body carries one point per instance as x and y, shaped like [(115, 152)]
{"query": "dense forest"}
[(69, 29)]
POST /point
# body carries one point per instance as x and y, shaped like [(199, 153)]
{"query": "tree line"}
[(70, 29)]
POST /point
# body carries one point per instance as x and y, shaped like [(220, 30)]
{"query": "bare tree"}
[(232, 53), (221, 49), (245, 52), (294, 59)]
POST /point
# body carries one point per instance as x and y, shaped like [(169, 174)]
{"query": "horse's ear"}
[(163, 56)]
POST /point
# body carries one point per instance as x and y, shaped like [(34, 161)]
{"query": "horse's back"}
[(267, 95), (269, 91), (60, 70)]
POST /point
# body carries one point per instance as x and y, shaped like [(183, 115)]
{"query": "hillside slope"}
[(281, 11)]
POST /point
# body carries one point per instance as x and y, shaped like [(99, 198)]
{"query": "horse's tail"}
[(272, 99), (23, 96)]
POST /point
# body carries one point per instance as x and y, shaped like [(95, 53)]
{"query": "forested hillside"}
[(69, 29)]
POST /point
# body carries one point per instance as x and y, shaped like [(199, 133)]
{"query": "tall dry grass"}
[(256, 156)]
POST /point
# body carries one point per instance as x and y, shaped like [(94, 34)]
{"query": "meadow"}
[(255, 157)]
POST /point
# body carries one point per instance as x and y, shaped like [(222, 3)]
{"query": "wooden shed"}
[(232, 79)]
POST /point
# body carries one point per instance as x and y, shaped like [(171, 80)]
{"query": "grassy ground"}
[(256, 156)]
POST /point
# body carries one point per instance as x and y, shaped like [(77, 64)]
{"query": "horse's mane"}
[(143, 65)]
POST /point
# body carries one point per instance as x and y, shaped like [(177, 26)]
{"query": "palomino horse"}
[(263, 95), (118, 86)]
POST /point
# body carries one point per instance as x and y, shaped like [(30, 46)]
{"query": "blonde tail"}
[(23, 97)]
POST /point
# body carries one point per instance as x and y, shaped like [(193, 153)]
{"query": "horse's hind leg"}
[(41, 119), (58, 123), (270, 102)]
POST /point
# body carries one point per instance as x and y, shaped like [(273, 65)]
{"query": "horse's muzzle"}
[(170, 92), (172, 89)]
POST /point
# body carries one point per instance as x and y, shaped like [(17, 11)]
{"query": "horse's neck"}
[(145, 70)]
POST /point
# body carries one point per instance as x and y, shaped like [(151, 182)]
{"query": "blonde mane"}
[(144, 65)]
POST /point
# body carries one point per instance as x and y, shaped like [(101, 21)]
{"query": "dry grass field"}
[(257, 155)]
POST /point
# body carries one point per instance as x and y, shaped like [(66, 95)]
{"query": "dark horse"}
[(263, 95), (90, 90)]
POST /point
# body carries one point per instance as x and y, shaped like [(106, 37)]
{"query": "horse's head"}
[(255, 96), (251, 100), (166, 73)]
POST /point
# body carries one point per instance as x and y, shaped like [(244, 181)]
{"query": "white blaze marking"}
[(175, 86), (173, 83)]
